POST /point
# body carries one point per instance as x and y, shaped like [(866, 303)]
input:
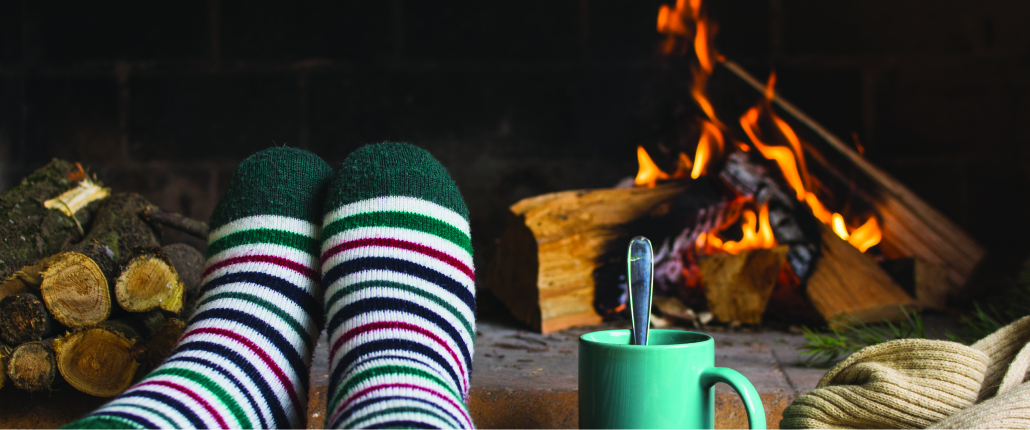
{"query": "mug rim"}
[(704, 338)]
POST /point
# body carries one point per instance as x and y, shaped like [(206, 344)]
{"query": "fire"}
[(757, 235), (710, 145), (684, 167), (649, 173), (791, 161)]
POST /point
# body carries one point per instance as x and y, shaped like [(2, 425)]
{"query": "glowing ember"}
[(757, 235), (649, 173)]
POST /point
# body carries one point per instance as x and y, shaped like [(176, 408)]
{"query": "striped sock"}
[(400, 292), (244, 357)]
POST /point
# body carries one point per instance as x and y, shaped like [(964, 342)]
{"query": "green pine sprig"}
[(845, 338)]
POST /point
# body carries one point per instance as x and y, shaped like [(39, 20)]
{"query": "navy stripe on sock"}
[(171, 402), (278, 409), (358, 406), (402, 266), (391, 304), (239, 385), (294, 293), (386, 345), (269, 332)]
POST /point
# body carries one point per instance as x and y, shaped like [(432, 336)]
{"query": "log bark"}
[(189, 264), (847, 285), (30, 230), (149, 281), (911, 227), (5, 354), (32, 366), (24, 318), (163, 341), (738, 286), (77, 284), (544, 267), (101, 360), (195, 228), (26, 279)]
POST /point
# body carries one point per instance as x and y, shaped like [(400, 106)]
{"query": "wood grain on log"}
[(847, 284), (30, 230), (102, 360), (738, 286), (149, 281), (24, 318), (911, 227), (925, 281), (77, 284), (32, 366), (543, 269)]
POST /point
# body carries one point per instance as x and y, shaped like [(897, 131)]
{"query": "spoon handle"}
[(639, 260)]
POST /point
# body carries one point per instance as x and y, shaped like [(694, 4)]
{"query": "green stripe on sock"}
[(401, 409), (417, 291), (390, 369), (265, 235), (155, 412), (211, 386), (406, 220), (106, 422), (269, 307)]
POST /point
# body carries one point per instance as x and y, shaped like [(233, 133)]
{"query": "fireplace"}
[(517, 100)]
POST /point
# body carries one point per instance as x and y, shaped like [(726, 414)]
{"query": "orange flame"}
[(684, 167), (710, 145), (792, 163), (649, 173), (757, 235)]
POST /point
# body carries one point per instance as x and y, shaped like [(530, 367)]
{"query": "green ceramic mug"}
[(667, 383)]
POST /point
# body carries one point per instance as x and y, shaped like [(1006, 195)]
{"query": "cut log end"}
[(738, 286), (24, 318), (98, 361), (149, 281), (32, 366), (76, 290)]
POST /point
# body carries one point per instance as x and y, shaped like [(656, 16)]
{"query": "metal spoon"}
[(640, 264)]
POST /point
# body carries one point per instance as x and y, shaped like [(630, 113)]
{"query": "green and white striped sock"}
[(400, 292), (244, 357)]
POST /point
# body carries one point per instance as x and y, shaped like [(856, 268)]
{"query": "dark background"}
[(515, 98)]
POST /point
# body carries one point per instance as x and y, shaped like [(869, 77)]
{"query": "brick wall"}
[(516, 98)]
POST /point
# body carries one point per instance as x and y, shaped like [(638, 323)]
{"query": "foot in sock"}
[(399, 292), (244, 357)]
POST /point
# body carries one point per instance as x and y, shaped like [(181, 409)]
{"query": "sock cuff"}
[(394, 169), (286, 182)]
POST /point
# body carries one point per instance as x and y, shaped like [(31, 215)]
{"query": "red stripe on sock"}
[(207, 406), (402, 244), (384, 325), (257, 351), (278, 261), (355, 396)]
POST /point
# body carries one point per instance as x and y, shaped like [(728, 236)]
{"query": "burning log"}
[(149, 281), (738, 286), (910, 227), (32, 366), (77, 284), (44, 213), (847, 284), (24, 318), (544, 267), (101, 360)]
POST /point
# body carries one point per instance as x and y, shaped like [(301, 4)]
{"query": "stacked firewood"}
[(88, 296)]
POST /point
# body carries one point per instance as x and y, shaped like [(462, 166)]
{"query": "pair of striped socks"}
[(381, 249)]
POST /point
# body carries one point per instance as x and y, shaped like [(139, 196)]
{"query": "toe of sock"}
[(394, 169)]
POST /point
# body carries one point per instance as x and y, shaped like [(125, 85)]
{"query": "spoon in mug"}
[(640, 264)]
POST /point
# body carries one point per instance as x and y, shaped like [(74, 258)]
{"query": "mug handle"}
[(747, 392)]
